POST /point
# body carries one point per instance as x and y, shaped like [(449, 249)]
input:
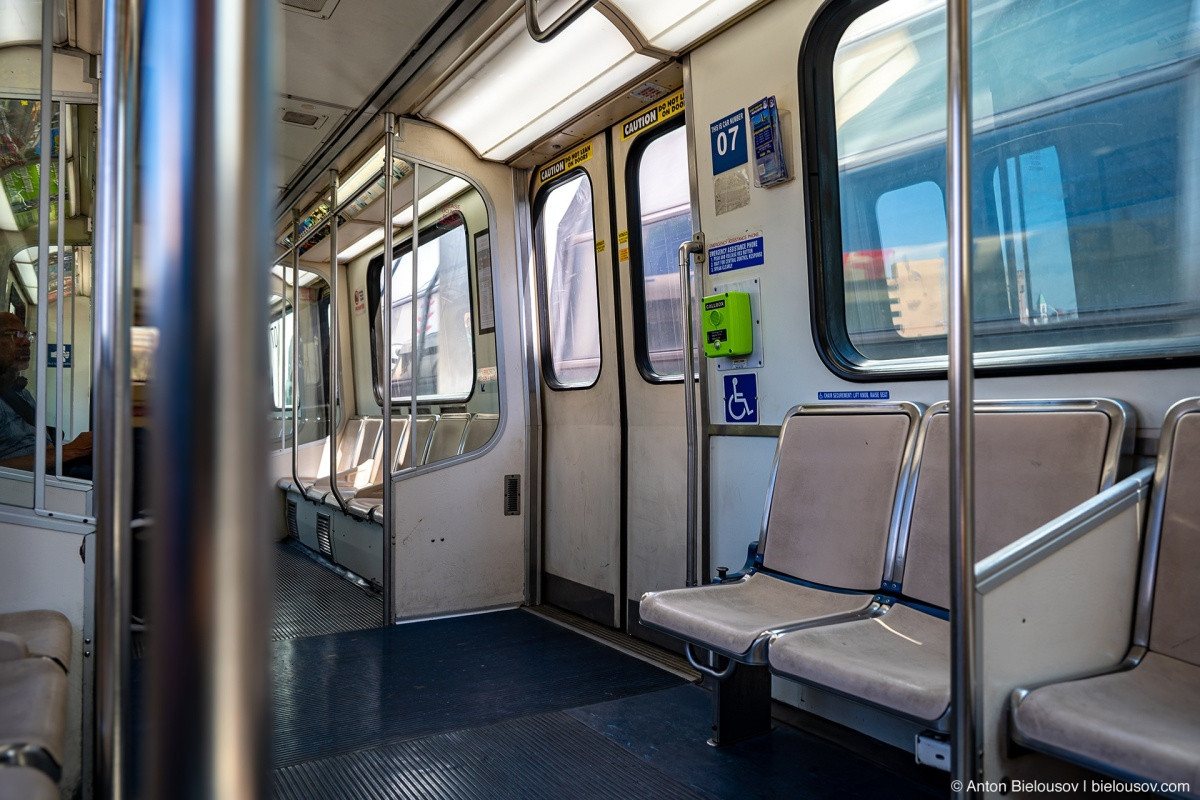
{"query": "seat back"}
[(831, 508), (399, 437), (1170, 580), (1034, 460), (368, 442), (422, 432), (479, 431), (447, 438)]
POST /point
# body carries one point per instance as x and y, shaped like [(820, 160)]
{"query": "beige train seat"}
[(1034, 461), (1142, 721), (41, 633), (828, 526), (33, 714)]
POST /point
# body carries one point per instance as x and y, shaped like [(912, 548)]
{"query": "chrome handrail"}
[(965, 715), (694, 246), (543, 35), (335, 339), (385, 365)]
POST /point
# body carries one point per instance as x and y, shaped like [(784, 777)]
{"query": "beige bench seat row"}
[(35, 653), (1034, 462), (828, 522), (834, 519), (357, 442), (1142, 722)]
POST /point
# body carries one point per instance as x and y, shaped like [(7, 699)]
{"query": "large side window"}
[(442, 357), (1084, 183), (566, 247), (661, 202)]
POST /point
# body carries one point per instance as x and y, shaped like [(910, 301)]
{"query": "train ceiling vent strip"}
[(324, 539)]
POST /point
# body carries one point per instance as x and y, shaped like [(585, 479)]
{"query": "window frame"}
[(431, 232), (547, 360), (827, 287), (637, 277)]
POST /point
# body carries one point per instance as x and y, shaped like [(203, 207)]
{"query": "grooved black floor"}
[(349, 691), (544, 757), (666, 730), (311, 600)]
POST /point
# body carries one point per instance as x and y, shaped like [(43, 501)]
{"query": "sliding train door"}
[(653, 210), (581, 403)]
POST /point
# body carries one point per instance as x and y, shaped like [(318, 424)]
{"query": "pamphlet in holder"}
[(770, 161)]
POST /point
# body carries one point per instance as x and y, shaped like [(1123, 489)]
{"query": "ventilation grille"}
[(323, 540), (313, 8), (512, 495), (292, 525), (300, 118)]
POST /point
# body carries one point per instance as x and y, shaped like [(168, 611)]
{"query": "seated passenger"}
[(17, 432)]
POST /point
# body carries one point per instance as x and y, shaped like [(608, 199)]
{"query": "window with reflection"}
[(566, 249), (1085, 182), (55, 286), (662, 199)]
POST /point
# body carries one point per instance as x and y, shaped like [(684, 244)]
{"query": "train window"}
[(1085, 183), (660, 199), (443, 352), (566, 241)]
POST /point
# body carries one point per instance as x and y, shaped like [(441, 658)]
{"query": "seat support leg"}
[(741, 705)]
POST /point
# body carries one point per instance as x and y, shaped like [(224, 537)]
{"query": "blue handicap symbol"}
[(741, 398)]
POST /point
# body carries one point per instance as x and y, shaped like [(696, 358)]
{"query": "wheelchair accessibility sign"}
[(741, 398)]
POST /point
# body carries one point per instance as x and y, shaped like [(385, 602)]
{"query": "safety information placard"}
[(738, 252), (659, 112), (570, 161), (878, 394), (741, 398), (728, 142)]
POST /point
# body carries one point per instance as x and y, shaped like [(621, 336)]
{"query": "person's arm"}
[(78, 447)]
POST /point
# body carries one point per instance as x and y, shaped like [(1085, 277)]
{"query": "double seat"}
[(35, 654), (849, 590), (1141, 721)]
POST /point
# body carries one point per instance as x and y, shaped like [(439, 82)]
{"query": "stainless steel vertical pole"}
[(207, 105), (60, 417), (385, 364), (414, 366), (112, 458), (40, 349), (695, 247), (335, 341), (965, 763), (295, 340)]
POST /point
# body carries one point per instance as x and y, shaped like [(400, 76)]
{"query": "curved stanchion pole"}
[(414, 356), (964, 643), (295, 347), (694, 247), (335, 340), (112, 444), (543, 35), (385, 364)]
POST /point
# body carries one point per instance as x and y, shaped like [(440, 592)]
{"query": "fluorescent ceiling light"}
[(514, 90), (20, 22), (674, 24), (372, 238), (444, 192)]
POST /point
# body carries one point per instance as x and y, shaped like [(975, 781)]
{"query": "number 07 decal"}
[(728, 142)]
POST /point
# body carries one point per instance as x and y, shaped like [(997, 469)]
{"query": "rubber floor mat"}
[(349, 691)]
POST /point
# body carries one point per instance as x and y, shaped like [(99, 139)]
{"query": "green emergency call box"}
[(727, 326)]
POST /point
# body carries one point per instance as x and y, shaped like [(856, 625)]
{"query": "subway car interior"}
[(599, 398)]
